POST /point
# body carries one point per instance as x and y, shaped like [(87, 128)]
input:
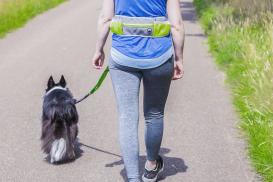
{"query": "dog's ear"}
[(50, 83), (62, 81)]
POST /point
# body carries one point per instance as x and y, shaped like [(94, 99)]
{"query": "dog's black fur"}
[(59, 122)]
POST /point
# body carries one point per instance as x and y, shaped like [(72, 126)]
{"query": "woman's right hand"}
[(178, 70), (98, 59)]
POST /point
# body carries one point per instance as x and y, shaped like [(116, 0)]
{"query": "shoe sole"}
[(152, 180)]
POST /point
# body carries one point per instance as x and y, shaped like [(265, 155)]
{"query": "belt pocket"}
[(137, 30)]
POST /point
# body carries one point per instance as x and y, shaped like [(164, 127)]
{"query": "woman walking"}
[(147, 45)]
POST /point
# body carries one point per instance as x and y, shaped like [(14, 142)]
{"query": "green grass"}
[(15, 13), (243, 48)]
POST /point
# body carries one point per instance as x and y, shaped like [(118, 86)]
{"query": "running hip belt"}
[(140, 26)]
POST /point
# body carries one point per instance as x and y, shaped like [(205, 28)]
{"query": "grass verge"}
[(243, 48), (15, 13)]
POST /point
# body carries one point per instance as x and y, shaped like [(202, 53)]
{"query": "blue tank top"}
[(141, 52)]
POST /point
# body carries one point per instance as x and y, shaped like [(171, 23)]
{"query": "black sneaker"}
[(151, 175)]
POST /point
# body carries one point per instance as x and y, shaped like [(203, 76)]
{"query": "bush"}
[(15, 13), (243, 48)]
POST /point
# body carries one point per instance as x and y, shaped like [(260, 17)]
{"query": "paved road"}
[(201, 142)]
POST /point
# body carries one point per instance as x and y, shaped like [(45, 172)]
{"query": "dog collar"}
[(56, 88)]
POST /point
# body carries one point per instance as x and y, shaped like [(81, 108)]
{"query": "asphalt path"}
[(201, 140)]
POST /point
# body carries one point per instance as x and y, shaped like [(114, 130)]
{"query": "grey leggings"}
[(126, 84)]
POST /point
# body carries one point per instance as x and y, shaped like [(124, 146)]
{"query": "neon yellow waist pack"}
[(140, 26)]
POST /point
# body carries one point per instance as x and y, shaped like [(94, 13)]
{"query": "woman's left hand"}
[(178, 70), (98, 59)]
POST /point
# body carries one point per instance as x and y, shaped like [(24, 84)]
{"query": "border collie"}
[(59, 122)]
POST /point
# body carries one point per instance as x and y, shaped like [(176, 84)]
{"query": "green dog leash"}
[(96, 87)]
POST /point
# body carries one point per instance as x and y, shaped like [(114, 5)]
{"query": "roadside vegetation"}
[(240, 36), (15, 13)]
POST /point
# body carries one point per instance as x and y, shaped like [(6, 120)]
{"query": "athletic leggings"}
[(126, 84)]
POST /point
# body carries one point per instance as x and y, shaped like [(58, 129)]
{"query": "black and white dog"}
[(59, 122)]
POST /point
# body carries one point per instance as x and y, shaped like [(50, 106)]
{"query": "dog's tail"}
[(58, 150), (59, 146)]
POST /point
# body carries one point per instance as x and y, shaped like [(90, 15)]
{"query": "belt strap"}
[(140, 26), (139, 20)]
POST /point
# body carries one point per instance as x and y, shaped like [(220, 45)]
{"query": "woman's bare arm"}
[(104, 21), (178, 35), (177, 27)]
